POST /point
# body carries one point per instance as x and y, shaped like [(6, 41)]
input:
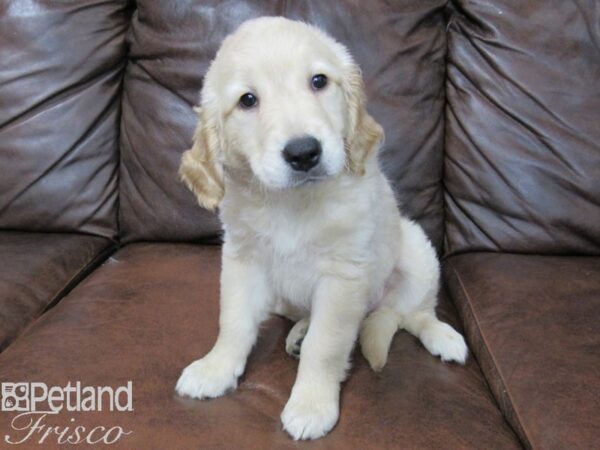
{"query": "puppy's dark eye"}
[(318, 81), (248, 100)]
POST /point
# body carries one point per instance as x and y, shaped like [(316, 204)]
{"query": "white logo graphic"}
[(35, 402), (15, 397)]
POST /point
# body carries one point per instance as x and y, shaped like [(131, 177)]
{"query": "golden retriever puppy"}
[(287, 151)]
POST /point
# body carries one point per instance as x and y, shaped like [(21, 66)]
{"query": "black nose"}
[(302, 153)]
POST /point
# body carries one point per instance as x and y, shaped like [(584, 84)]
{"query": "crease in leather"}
[(467, 134), (84, 270), (121, 96), (497, 70), (483, 154), (103, 201), (68, 152), (85, 134), (437, 11), (457, 8), (136, 63), (524, 204), (133, 155), (546, 130), (472, 221), (588, 26), (112, 195), (61, 96), (470, 322)]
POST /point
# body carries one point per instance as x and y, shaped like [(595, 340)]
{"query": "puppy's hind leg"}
[(413, 294), (376, 334), (439, 338)]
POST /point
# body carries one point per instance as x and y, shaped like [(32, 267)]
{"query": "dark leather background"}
[(522, 166), (60, 80), (172, 44), (532, 322)]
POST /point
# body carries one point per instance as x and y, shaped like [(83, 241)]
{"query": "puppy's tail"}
[(376, 335)]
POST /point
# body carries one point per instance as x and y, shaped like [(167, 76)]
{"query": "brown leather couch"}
[(109, 272)]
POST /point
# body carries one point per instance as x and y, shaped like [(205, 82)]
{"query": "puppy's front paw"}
[(444, 341), (310, 416), (208, 377)]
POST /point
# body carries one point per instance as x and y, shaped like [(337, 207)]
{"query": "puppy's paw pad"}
[(206, 378), (293, 342), (309, 419), (444, 341)]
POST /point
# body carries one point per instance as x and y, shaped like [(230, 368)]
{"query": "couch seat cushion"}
[(153, 308), (532, 322), (37, 269)]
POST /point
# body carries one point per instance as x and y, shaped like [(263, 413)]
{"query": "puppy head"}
[(283, 102)]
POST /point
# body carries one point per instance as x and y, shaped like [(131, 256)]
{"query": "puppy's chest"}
[(284, 232), (292, 277), (293, 251)]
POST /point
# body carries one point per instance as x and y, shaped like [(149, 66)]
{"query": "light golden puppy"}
[(287, 151)]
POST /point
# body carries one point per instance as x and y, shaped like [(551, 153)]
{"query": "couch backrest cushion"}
[(400, 46), (60, 78), (522, 165)]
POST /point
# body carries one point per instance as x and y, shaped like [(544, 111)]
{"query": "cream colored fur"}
[(326, 248)]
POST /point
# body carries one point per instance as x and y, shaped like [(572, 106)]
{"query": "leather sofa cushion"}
[(153, 308), (532, 322), (523, 143), (171, 46), (61, 67), (37, 269)]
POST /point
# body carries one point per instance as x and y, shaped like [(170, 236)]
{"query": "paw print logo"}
[(15, 397)]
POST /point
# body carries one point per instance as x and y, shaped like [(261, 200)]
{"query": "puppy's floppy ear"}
[(200, 168), (364, 134)]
